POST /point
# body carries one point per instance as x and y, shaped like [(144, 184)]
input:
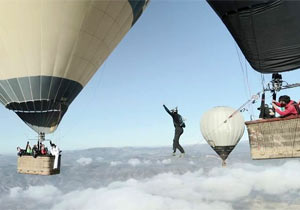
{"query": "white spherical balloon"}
[(221, 131), (217, 132)]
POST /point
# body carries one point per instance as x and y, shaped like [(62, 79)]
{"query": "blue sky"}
[(178, 53)]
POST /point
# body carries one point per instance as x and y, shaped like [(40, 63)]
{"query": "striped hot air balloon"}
[(50, 49)]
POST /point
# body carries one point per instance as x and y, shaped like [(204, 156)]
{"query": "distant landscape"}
[(151, 178)]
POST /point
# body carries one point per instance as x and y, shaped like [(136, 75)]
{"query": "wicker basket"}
[(41, 165), (274, 138)]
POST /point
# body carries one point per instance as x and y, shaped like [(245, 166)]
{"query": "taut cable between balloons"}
[(251, 100)]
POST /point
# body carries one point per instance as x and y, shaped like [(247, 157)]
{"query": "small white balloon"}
[(222, 128)]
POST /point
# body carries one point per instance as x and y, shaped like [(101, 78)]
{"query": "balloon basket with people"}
[(268, 43), (276, 134), (38, 159)]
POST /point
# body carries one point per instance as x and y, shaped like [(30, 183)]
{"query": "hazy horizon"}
[(151, 178)]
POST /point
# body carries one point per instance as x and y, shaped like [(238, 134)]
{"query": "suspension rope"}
[(245, 75), (247, 78), (262, 80), (251, 100), (247, 88)]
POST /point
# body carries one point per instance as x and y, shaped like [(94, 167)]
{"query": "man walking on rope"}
[(179, 125)]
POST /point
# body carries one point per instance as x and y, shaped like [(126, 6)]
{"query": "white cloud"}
[(147, 162), (216, 189), (279, 180), (84, 161), (213, 157), (166, 161), (100, 159), (115, 163), (165, 191), (134, 162), (42, 194), (14, 192)]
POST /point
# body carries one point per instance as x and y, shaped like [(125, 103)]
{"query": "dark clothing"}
[(52, 145), (176, 145), (266, 112), (177, 119), (179, 125), (21, 152), (35, 151)]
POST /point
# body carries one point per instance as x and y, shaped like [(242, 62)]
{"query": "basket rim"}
[(272, 119)]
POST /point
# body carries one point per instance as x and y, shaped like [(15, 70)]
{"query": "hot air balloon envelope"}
[(50, 49), (266, 31), (221, 132)]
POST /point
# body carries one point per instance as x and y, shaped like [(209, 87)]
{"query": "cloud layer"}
[(84, 161), (240, 185)]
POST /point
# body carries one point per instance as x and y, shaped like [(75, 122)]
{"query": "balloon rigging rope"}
[(247, 91), (245, 79), (250, 106), (244, 73), (237, 51), (262, 80), (253, 98)]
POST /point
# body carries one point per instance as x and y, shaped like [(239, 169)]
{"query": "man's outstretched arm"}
[(167, 110)]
